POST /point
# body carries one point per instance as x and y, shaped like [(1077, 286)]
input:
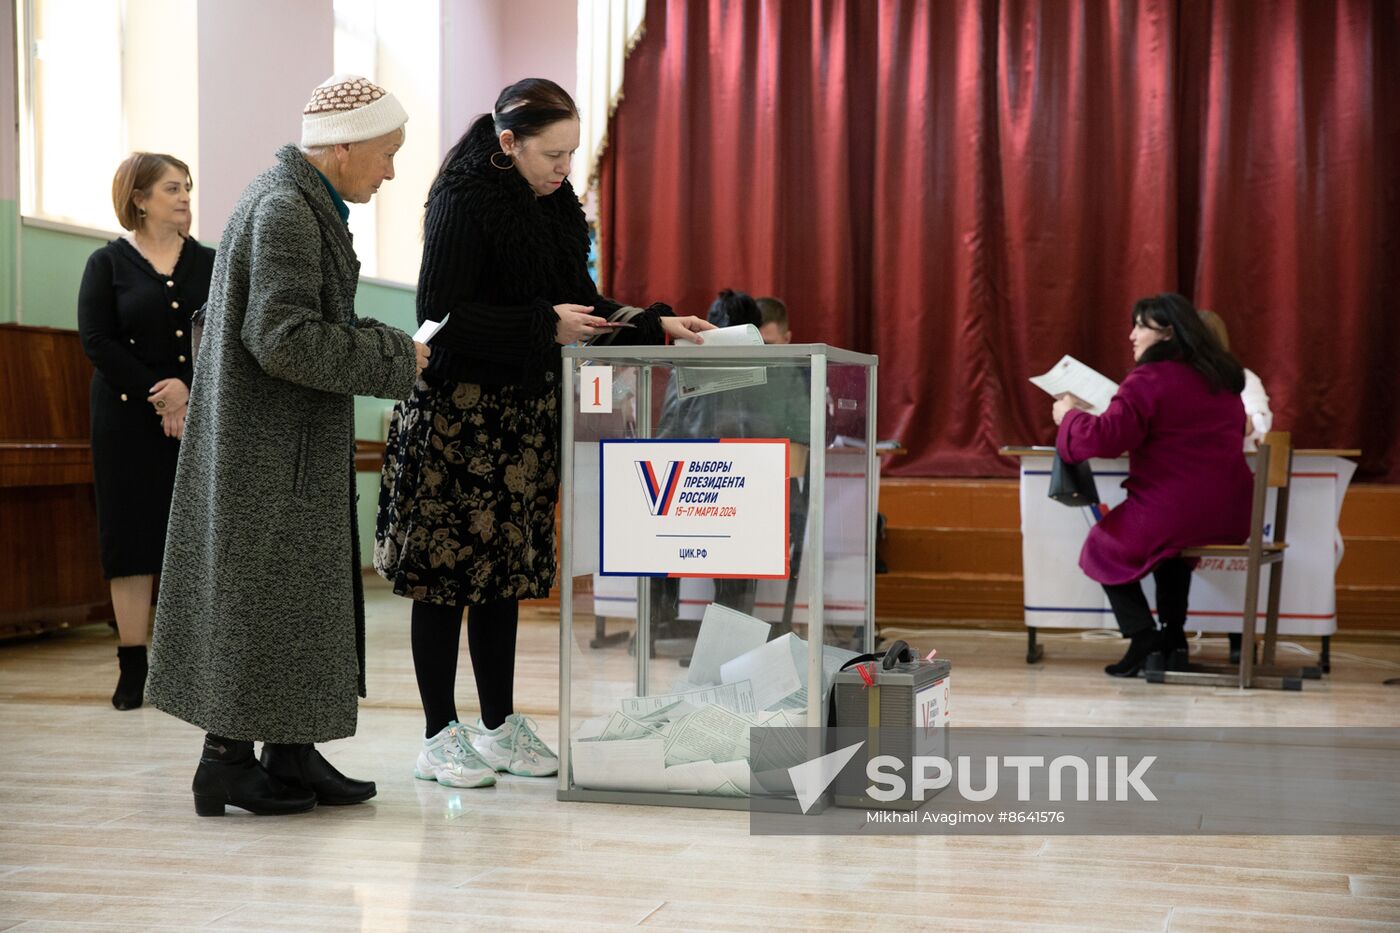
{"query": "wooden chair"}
[(1273, 465)]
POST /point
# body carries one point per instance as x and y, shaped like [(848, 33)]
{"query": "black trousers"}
[(1173, 577), (436, 637), (666, 602)]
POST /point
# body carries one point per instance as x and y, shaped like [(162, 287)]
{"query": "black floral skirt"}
[(468, 493)]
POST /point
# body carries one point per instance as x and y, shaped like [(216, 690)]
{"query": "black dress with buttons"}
[(135, 327)]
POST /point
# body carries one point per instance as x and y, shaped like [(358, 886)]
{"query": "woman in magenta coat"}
[(1179, 417)]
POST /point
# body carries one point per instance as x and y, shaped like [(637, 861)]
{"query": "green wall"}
[(52, 266), (393, 306), (8, 211)]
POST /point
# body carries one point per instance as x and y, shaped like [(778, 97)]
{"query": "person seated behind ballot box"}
[(1178, 415), (779, 408), (774, 328)]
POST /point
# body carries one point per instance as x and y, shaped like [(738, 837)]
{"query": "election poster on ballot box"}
[(694, 508)]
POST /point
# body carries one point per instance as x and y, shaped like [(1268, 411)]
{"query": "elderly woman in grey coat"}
[(259, 631)]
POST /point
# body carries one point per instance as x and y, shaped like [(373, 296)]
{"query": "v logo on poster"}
[(659, 488)]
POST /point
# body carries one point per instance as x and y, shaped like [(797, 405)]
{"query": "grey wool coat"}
[(259, 631)]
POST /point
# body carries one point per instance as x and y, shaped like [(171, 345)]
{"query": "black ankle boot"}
[(229, 774), (1141, 645), (1174, 649), (303, 766), (131, 683)]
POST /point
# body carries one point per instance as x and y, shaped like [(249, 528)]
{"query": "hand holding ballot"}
[(693, 381), (1065, 404), (1090, 390), (428, 330), (686, 328)]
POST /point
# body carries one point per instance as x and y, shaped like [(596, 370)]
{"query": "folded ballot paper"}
[(695, 380), (696, 739), (1070, 375), (428, 330)]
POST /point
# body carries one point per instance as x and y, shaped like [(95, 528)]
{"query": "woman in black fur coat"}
[(470, 482)]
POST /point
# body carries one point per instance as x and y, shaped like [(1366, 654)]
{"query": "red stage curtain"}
[(972, 188)]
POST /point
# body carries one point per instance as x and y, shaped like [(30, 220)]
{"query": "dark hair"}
[(773, 311), (139, 172), (1190, 342), (525, 108), (733, 308)]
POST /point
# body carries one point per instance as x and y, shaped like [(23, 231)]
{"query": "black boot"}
[(229, 774), (131, 684), (1174, 648), (1141, 645), (304, 767)]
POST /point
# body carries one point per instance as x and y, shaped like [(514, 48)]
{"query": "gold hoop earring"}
[(510, 161), (141, 212)]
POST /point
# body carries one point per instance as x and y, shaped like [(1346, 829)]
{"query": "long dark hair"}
[(1190, 342), (525, 108), (733, 308)]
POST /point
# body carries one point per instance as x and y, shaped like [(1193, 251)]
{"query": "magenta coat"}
[(1188, 483)]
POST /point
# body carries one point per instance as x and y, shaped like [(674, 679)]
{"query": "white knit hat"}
[(349, 109)]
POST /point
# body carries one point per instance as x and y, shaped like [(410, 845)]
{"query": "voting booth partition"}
[(723, 499)]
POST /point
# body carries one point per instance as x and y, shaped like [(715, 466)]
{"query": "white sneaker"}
[(450, 759), (514, 747)]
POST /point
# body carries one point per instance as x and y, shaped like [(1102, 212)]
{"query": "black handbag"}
[(1072, 484)]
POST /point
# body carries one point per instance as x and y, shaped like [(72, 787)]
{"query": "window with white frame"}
[(395, 45), (101, 79)]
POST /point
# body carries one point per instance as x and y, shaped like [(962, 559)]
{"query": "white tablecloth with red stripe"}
[(1059, 595)]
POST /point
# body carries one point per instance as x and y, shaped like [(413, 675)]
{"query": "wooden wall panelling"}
[(50, 575)]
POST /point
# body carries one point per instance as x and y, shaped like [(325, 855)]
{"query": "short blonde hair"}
[(1216, 325), (138, 172)]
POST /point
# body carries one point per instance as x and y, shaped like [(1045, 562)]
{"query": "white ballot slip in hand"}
[(429, 330), (1069, 375), (739, 335), (691, 382)]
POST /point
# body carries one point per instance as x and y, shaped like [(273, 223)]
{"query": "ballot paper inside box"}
[(726, 739), (689, 631)]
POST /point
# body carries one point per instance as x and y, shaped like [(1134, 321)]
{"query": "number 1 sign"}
[(595, 390)]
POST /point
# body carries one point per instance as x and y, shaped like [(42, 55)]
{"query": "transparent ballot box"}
[(718, 511)]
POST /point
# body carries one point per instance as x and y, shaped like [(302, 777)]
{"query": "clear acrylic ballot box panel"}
[(724, 490)]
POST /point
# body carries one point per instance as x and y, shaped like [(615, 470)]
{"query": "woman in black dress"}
[(466, 506), (134, 308)]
